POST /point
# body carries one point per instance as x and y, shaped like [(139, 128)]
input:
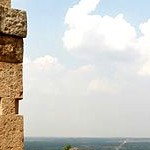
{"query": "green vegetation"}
[(67, 147)]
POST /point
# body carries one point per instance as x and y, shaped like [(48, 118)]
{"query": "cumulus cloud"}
[(94, 32), (92, 36), (144, 48), (46, 62)]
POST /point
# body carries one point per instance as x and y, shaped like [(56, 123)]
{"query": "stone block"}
[(5, 3), (11, 49), (8, 106), (11, 132), (11, 80), (13, 22)]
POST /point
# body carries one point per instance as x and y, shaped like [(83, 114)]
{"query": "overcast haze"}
[(86, 68)]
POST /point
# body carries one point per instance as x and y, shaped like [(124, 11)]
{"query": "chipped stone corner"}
[(13, 22)]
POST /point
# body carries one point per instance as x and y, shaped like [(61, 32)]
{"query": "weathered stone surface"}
[(11, 132), (11, 49), (5, 3), (13, 22), (8, 106), (11, 80)]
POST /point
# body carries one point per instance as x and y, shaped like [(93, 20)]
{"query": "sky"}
[(86, 68)]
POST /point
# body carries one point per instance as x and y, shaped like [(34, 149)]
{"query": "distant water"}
[(88, 143)]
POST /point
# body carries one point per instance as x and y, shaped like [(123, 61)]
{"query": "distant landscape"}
[(88, 143)]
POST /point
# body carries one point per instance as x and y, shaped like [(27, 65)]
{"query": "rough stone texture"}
[(13, 28), (11, 80), (13, 22), (8, 106), (11, 132), (11, 49), (5, 3)]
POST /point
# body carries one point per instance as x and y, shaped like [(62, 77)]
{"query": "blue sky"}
[(86, 68)]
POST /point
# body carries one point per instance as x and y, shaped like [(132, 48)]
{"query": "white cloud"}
[(46, 62), (143, 47), (94, 31), (144, 27), (91, 36), (143, 41), (42, 71), (79, 11)]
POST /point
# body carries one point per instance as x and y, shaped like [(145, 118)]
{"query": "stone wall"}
[(13, 28)]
